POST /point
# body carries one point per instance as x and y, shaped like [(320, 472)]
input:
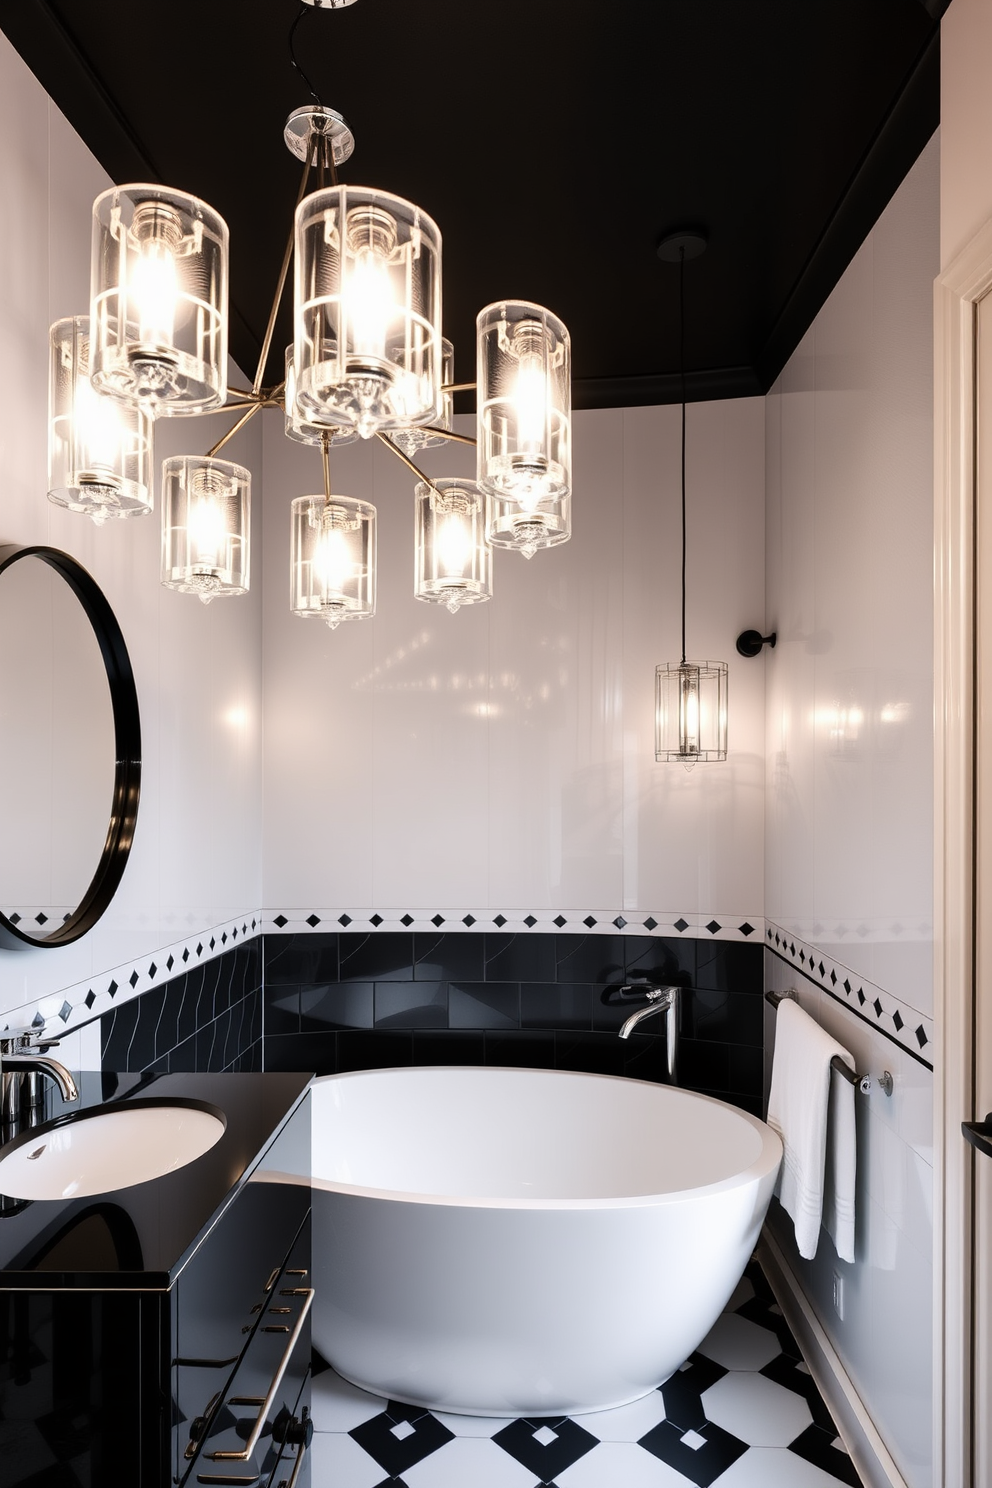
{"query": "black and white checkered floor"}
[(742, 1412)]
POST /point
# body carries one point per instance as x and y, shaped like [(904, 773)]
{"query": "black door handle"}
[(979, 1134)]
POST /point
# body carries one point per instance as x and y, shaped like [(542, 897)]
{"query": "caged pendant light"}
[(690, 696), (367, 360)]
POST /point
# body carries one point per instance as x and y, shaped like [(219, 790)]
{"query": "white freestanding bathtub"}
[(515, 1242)]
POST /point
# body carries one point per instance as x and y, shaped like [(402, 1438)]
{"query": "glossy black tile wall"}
[(208, 1019), (360, 1001)]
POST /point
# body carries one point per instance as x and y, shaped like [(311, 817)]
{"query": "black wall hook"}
[(750, 642)]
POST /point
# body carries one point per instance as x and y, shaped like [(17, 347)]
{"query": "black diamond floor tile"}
[(546, 1445), (401, 1436), (681, 1391), (816, 1445), (699, 1462)]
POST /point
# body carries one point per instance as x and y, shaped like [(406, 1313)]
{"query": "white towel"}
[(798, 1109)]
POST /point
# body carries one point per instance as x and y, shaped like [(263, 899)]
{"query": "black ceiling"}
[(553, 141)]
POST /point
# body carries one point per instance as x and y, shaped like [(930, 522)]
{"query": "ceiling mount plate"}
[(686, 243), (328, 4), (314, 119)]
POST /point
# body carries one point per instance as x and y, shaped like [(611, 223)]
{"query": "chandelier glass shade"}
[(414, 439), (158, 307), (332, 559), (691, 711), (306, 431), (454, 561), (523, 377), (205, 526), (367, 347), (99, 450)]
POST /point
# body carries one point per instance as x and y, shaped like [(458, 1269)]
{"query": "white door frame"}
[(957, 292)]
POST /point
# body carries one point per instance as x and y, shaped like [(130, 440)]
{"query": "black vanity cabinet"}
[(159, 1336)]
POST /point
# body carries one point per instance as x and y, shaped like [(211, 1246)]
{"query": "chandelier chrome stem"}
[(459, 387), (407, 461), (248, 414), (325, 459), (287, 259), (447, 434)]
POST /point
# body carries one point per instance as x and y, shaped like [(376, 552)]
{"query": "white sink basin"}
[(108, 1148)]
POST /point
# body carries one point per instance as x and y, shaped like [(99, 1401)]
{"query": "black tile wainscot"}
[(207, 1019), (343, 1001)]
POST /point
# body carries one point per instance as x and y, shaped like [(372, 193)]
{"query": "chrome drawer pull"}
[(256, 1430)]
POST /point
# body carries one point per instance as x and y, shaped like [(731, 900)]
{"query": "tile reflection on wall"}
[(209, 1018), (354, 1001)]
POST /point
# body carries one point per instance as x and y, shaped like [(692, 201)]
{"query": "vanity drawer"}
[(239, 1436)]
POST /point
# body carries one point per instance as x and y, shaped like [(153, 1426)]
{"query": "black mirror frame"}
[(127, 742)]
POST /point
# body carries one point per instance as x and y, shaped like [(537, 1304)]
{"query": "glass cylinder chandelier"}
[(690, 696), (367, 359), (454, 562), (99, 449), (205, 526), (158, 308), (332, 559), (367, 347)]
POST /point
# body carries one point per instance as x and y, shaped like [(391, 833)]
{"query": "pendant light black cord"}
[(303, 10), (682, 389)]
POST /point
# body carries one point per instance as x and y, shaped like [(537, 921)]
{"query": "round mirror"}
[(70, 748)]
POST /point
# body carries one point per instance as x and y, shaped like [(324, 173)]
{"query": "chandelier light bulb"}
[(453, 561), (367, 317), (158, 306), (99, 453), (332, 559), (205, 526)]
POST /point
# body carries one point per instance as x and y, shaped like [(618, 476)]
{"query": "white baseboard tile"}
[(866, 1448)]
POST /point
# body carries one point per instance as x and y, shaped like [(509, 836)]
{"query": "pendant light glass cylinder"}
[(99, 449), (367, 310), (158, 308), (205, 526), (332, 559), (453, 560), (691, 711), (412, 440), (301, 430), (524, 393)]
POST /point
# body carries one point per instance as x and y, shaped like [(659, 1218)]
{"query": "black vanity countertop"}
[(139, 1238)]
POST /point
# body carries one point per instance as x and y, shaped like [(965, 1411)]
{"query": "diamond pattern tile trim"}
[(84, 1001), (596, 921), (899, 1022), (709, 1417)]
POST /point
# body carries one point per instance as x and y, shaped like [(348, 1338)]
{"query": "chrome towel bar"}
[(863, 1082)]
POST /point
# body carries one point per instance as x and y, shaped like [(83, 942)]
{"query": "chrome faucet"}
[(23, 1066), (660, 1000)]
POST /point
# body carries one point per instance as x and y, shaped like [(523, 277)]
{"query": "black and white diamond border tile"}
[(703, 1421), (901, 1023), (69, 1008), (663, 924)]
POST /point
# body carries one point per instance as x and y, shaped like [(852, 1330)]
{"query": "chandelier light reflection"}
[(367, 360), (690, 696)]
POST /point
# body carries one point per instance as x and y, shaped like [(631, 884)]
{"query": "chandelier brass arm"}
[(407, 461)]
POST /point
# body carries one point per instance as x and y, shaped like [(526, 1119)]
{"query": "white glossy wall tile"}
[(849, 840), (196, 857), (849, 561), (503, 757)]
